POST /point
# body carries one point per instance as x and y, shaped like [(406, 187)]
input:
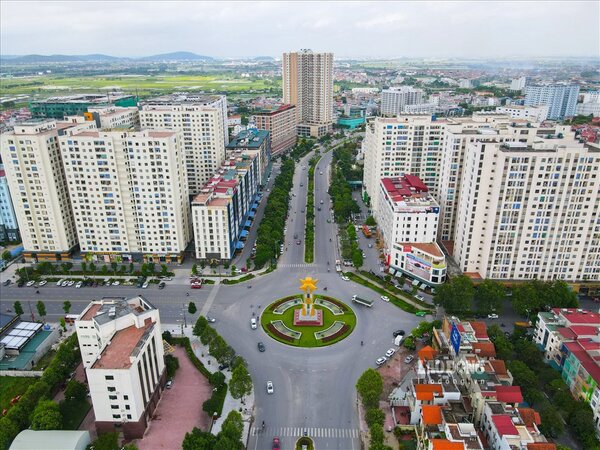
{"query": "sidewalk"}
[(397, 294)]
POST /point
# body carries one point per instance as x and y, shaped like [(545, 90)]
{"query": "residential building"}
[(591, 97), (203, 121), (399, 145), (518, 84), (122, 351), (38, 186), (308, 85), (75, 105), (527, 209), (224, 209), (561, 99), (254, 142), (9, 228), (408, 219), (128, 194), (532, 113), (395, 99), (421, 108), (586, 109), (281, 123), (111, 117)]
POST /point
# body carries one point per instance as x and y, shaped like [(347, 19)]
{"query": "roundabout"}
[(308, 320)]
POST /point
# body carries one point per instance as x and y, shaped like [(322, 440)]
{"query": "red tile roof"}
[(431, 414), (445, 444), (432, 249), (480, 330), (541, 446), (499, 366), (504, 425), (580, 350), (530, 416), (484, 349), (427, 353), (578, 318), (509, 394), (426, 391)]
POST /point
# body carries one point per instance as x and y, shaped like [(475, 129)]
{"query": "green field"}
[(144, 85), (10, 387)]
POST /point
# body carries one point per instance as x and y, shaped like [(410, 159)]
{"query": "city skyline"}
[(349, 29)]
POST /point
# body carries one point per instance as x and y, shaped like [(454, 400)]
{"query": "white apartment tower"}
[(530, 210), (38, 186), (114, 116), (122, 351), (129, 193), (561, 99), (404, 144), (308, 84), (394, 100), (202, 119)]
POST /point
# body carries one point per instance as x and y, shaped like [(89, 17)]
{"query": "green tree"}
[(46, 416), (233, 269), (104, 270), (41, 309), (164, 270), (208, 335), (200, 326), (18, 308), (113, 266), (216, 379), (376, 432), (198, 440), (523, 375), (192, 308), (241, 382), (220, 350), (131, 267), (456, 295), (172, 364), (489, 296), (84, 267), (75, 390), (370, 221), (92, 267), (6, 256), (106, 441), (232, 427), (66, 267), (370, 388), (8, 431), (357, 258), (373, 416), (504, 347), (63, 323), (151, 268), (66, 306), (130, 446), (195, 269)]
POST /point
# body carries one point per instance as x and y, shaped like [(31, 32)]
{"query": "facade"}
[(9, 228), (408, 219), (38, 185), (308, 85), (129, 194), (404, 144), (561, 99), (421, 108), (394, 100), (225, 207), (122, 351), (203, 121), (586, 109), (114, 117), (528, 210), (281, 123), (532, 113), (254, 142), (75, 105), (518, 84)]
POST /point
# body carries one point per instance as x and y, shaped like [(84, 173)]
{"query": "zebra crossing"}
[(332, 433), (295, 265)]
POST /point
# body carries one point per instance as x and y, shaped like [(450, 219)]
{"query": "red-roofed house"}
[(484, 349), (509, 394), (445, 444)]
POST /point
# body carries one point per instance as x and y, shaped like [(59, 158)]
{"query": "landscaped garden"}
[(338, 322)]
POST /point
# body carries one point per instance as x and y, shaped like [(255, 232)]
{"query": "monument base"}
[(306, 320)]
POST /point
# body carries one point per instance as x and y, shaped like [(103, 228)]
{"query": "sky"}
[(419, 29)]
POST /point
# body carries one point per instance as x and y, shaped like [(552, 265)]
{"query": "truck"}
[(338, 265), (366, 231), (362, 301)]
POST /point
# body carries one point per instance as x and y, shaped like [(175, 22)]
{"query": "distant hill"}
[(175, 56), (263, 58)]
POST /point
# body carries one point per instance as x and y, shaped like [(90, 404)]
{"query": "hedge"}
[(336, 334), (279, 334)]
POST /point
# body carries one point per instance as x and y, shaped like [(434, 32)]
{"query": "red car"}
[(276, 443)]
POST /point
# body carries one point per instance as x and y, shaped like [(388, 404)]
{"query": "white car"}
[(345, 278), (59, 282), (270, 389), (385, 298), (381, 360), (253, 324), (65, 283), (79, 284), (145, 285), (116, 283), (408, 359), (492, 316), (42, 283), (30, 283), (390, 352), (70, 283), (419, 297)]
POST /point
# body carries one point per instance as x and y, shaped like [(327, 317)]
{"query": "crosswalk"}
[(295, 265), (332, 433)]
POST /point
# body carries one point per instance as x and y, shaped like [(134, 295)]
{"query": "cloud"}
[(383, 21)]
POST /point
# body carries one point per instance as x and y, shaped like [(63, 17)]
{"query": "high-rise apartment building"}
[(9, 228), (224, 209), (308, 84), (74, 105), (114, 116), (533, 113), (202, 119), (122, 351), (518, 84), (561, 99), (282, 123), (399, 145), (129, 194), (38, 186), (394, 100), (530, 210), (254, 142)]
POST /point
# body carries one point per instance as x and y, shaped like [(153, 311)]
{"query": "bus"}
[(366, 231)]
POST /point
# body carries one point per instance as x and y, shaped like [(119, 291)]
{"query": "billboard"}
[(417, 267), (455, 338)]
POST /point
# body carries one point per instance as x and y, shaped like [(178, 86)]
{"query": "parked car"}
[(419, 297), (408, 359), (21, 283), (270, 388), (261, 347), (30, 283), (116, 283), (295, 235), (5, 282), (70, 283), (276, 443), (145, 285), (492, 316), (398, 333), (385, 298), (210, 319), (161, 285), (390, 352), (223, 366), (253, 324), (169, 384), (79, 284), (42, 283), (420, 314), (381, 360), (298, 242)]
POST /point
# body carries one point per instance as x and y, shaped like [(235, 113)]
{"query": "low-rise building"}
[(122, 351), (532, 113), (281, 122), (74, 105)]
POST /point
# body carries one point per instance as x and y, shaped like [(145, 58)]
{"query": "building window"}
[(109, 377), (112, 389), (112, 397), (116, 416), (126, 397), (114, 406)]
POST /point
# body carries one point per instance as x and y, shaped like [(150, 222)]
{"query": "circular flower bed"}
[(277, 320)]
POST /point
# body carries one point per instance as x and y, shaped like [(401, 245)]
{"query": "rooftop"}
[(85, 98), (426, 391), (118, 351), (575, 316), (273, 110), (505, 425), (445, 444), (582, 350), (105, 310), (509, 394), (250, 139), (408, 191), (431, 414), (183, 98)]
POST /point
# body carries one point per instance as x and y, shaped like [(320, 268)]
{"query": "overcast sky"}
[(361, 29)]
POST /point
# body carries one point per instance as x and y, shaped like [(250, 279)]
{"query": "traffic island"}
[(305, 443)]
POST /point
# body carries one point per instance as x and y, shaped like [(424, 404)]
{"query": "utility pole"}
[(31, 311)]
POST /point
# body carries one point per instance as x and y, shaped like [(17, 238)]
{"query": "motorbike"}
[(325, 288)]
